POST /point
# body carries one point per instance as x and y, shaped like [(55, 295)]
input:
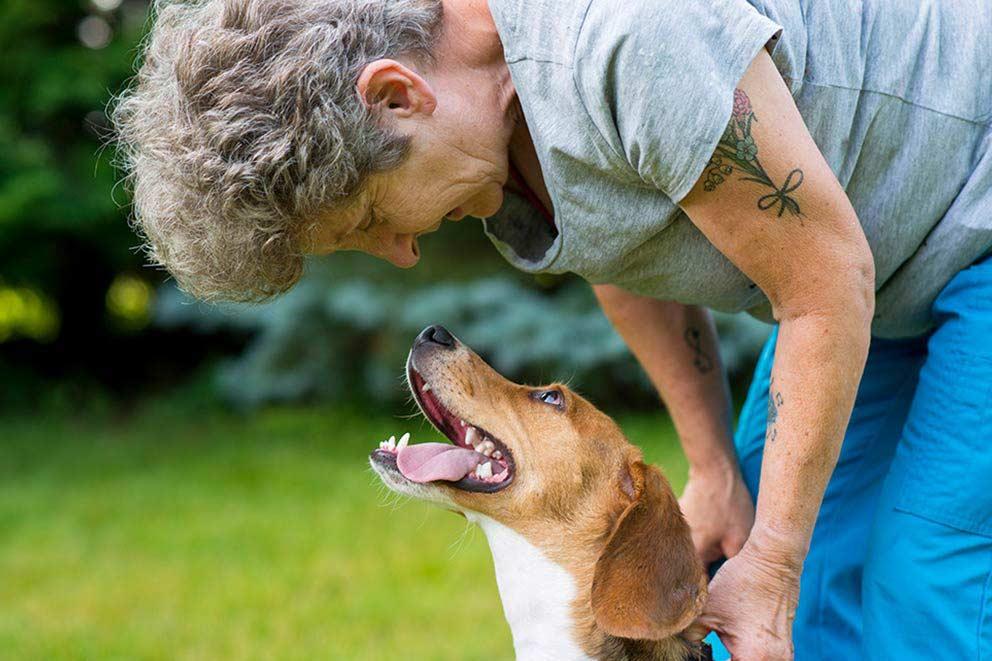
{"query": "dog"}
[(593, 557)]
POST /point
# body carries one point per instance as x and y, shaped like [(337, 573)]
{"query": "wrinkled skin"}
[(753, 600)]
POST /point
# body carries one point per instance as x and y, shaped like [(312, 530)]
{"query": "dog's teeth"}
[(391, 443), (463, 422), (404, 439), (497, 455), (472, 437), (383, 445), (484, 471), (486, 447), (426, 388)]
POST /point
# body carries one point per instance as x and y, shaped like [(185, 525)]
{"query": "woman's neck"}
[(523, 156)]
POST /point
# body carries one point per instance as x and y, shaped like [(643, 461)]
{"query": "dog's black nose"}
[(436, 335)]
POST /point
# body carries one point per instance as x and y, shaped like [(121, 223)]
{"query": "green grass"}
[(214, 535)]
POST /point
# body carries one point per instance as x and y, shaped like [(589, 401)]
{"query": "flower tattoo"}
[(746, 149), (742, 104), (737, 149)]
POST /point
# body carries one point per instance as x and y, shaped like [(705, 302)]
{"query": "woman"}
[(824, 167)]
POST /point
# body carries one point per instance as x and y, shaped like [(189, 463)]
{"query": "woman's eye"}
[(551, 397)]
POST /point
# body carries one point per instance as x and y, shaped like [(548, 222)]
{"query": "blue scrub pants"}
[(900, 565)]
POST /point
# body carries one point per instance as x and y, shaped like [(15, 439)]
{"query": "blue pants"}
[(900, 565)]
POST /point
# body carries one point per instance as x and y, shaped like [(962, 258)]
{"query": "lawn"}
[(214, 535)]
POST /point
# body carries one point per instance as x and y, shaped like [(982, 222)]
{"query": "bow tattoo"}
[(738, 150)]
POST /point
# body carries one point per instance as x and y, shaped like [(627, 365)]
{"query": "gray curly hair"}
[(243, 125)]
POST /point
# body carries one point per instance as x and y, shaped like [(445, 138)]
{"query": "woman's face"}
[(457, 167)]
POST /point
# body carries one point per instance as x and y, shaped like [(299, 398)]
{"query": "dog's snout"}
[(436, 335)]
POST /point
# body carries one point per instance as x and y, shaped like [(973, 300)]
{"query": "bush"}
[(339, 337)]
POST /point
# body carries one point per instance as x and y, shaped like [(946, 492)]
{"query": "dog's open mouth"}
[(474, 461)]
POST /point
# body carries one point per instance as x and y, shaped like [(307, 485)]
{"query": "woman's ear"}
[(649, 582), (391, 86)]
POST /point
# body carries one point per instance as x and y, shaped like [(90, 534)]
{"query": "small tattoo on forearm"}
[(775, 402), (700, 359), (737, 149)]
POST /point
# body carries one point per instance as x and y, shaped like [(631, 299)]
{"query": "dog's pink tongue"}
[(426, 462)]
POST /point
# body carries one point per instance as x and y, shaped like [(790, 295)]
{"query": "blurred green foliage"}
[(55, 180), (64, 237), (343, 333), (189, 533)]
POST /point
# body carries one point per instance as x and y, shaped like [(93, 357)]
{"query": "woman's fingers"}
[(732, 543), (720, 513), (751, 604)]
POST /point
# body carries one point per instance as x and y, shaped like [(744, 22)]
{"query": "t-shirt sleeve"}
[(657, 78)]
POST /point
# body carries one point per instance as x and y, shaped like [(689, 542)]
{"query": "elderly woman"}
[(826, 167)]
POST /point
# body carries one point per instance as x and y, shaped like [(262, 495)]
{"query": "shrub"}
[(341, 337)]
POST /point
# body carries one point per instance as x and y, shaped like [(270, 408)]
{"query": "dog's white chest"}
[(537, 595)]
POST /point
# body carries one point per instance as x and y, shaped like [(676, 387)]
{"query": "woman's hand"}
[(752, 603), (718, 507)]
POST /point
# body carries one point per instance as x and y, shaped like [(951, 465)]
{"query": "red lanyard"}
[(531, 196)]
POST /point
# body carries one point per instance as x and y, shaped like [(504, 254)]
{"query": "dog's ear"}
[(649, 582)]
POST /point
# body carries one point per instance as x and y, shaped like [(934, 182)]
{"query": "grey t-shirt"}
[(626, 102)]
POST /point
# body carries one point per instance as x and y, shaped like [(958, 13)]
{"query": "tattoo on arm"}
[(737, 149), (775, 401), (700, 359)]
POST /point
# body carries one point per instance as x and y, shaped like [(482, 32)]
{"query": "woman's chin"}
[(491, 206), (406, 262)]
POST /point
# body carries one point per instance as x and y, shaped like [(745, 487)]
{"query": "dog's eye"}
[(551, 397)]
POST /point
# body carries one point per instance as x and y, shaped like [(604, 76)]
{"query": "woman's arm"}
[(676, 345), (770, 203)]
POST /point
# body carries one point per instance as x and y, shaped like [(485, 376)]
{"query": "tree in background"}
[(70, 281)]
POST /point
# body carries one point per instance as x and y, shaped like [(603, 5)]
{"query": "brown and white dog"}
[(593, 558)]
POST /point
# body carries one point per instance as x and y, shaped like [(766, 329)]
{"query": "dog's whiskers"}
[(387, 497), (456, 546)]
